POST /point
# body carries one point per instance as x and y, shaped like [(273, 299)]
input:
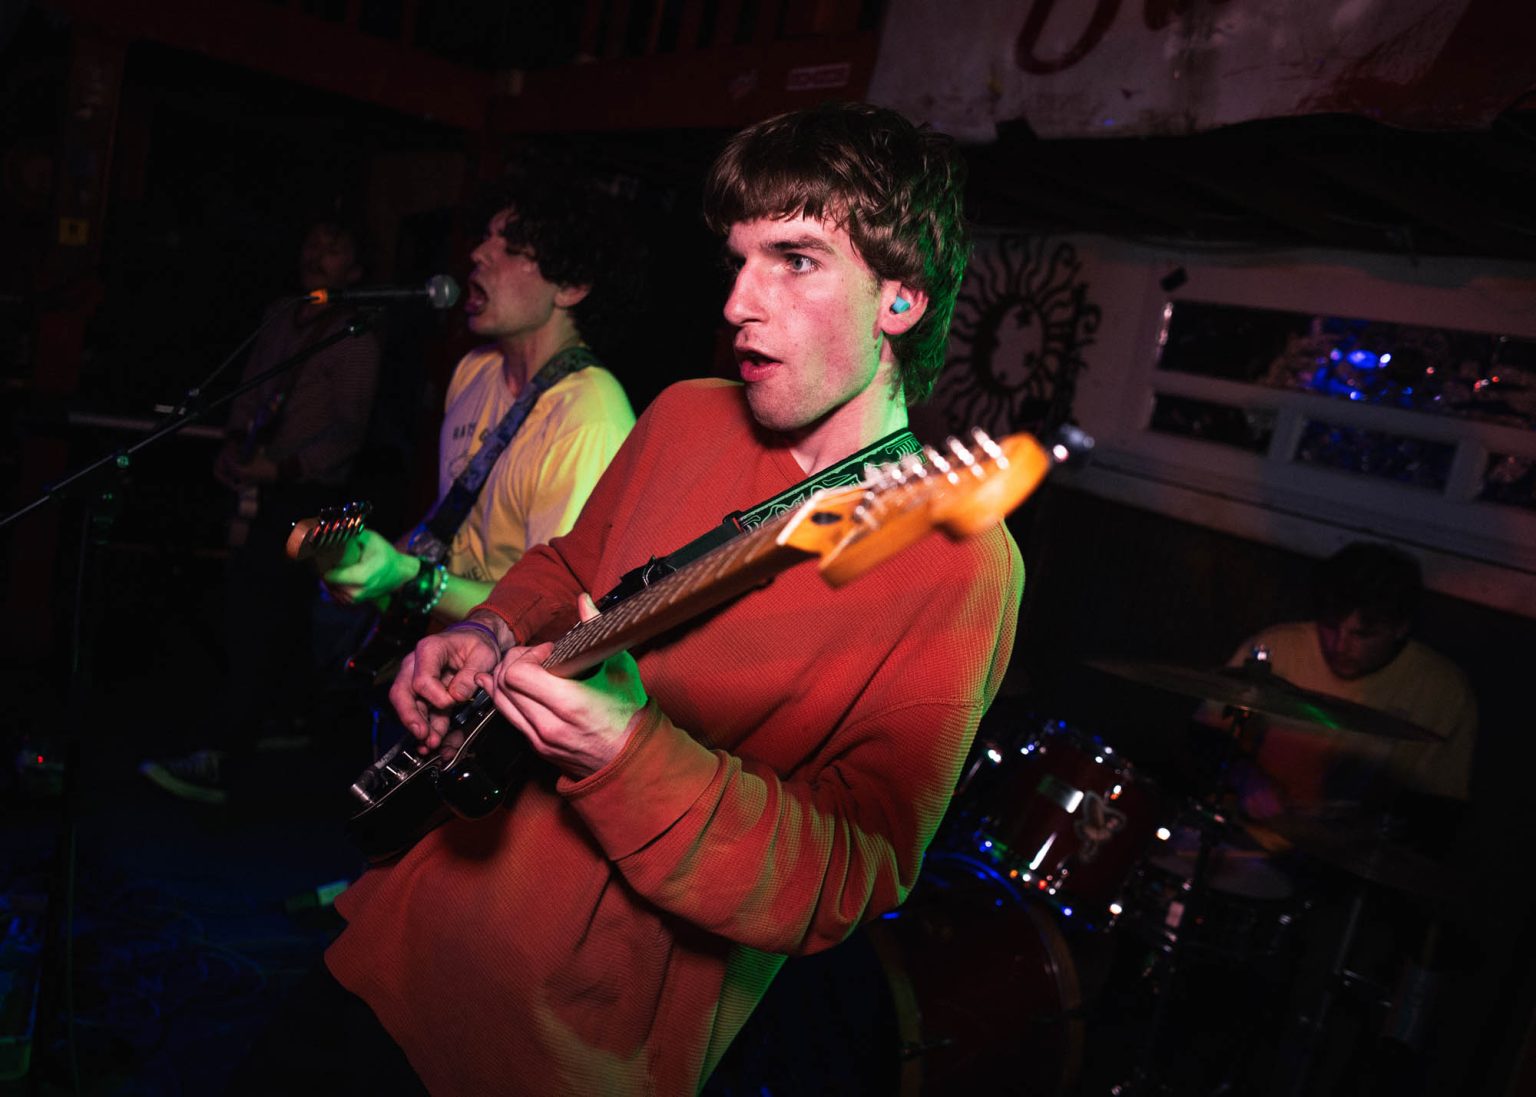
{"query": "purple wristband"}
[(490, 633)]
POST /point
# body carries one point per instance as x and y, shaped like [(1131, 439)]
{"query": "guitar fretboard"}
[(714, 577)]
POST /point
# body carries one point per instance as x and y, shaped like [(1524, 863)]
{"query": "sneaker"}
[(196, 777)]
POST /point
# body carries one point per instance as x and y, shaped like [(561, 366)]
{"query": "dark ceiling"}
[(1335, 181)]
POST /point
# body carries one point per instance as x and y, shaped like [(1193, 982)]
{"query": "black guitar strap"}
[(846, 473)]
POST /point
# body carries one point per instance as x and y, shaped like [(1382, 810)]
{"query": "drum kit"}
[(1059, 851)]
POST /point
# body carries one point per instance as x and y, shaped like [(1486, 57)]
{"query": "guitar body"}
[(393, 634), (405, 796)]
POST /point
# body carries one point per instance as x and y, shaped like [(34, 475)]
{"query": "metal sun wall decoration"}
[(1021, 325)]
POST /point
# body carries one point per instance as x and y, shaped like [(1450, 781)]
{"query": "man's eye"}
[(800, 264)]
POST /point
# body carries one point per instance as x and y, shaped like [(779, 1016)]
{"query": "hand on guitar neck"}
[(369, 571), (357, 565), (360, 566)]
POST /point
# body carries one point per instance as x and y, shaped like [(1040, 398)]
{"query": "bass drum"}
[(967, 989)]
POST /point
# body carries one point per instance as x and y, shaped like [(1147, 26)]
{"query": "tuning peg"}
[(965, 457), (938, 461), (985, 443)]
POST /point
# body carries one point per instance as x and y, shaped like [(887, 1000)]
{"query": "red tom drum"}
[(1060, 813)]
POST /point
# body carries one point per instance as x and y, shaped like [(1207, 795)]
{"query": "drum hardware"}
[(1367, 848), (1174, 949)]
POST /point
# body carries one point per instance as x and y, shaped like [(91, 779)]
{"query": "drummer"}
[(1357, 648)]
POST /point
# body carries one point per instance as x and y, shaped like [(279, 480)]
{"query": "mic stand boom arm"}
[(188, 414)]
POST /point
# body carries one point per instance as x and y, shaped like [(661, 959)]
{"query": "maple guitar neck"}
[(850, 529), (718, 576)]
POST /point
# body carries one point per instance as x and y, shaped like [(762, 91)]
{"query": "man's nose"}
[(745, 300)]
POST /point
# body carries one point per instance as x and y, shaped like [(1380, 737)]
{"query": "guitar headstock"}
[(328, 532), (963, 490)]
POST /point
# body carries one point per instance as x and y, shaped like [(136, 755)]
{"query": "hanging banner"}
[(1081, 68)]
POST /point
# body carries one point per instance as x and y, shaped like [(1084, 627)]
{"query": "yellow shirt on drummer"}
[(1419, 685)]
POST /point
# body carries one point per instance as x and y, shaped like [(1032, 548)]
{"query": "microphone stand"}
[(189, 412), (104, 502)]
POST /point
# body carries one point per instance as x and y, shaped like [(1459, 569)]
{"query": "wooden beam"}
[(727, 16), (618, 28), (689, 25), (719, 88)]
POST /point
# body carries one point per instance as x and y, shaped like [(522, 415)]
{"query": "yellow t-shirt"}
[(1419, 685), (542, 479)]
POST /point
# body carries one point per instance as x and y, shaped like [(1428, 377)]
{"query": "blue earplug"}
[(900, 305)]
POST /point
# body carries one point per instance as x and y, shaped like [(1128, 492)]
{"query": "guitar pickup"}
[(471, 710)]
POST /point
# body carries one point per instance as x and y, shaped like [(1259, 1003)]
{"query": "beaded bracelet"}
[(439, 585)]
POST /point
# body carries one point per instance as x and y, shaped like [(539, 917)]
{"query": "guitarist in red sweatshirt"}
[(757, 782)]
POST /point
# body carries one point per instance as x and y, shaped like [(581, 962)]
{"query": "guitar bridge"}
[(381, 778)]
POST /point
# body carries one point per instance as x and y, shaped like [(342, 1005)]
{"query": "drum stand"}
[(1341, 978), (1144, 1077)]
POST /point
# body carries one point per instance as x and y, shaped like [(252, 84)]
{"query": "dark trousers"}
[(267, 612)]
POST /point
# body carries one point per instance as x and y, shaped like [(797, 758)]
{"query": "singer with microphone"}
[(290, 448), (531, 418)]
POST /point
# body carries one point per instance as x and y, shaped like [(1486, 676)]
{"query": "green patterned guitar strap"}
[(846, 473)]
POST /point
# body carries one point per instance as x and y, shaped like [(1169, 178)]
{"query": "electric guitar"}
[(330, 540), (402, 795)]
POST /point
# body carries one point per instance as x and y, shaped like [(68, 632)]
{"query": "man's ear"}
[(901, 307), (567, 297)]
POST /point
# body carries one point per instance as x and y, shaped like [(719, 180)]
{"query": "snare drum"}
[(1060, 813), (1250, 910)]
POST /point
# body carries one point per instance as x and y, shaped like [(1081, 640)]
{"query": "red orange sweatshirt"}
[(610, 935)]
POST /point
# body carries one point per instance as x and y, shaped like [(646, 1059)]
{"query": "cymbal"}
[(1262, 690), (1359, 848)]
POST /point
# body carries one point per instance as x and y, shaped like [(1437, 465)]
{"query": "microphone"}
[(441, 292)]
